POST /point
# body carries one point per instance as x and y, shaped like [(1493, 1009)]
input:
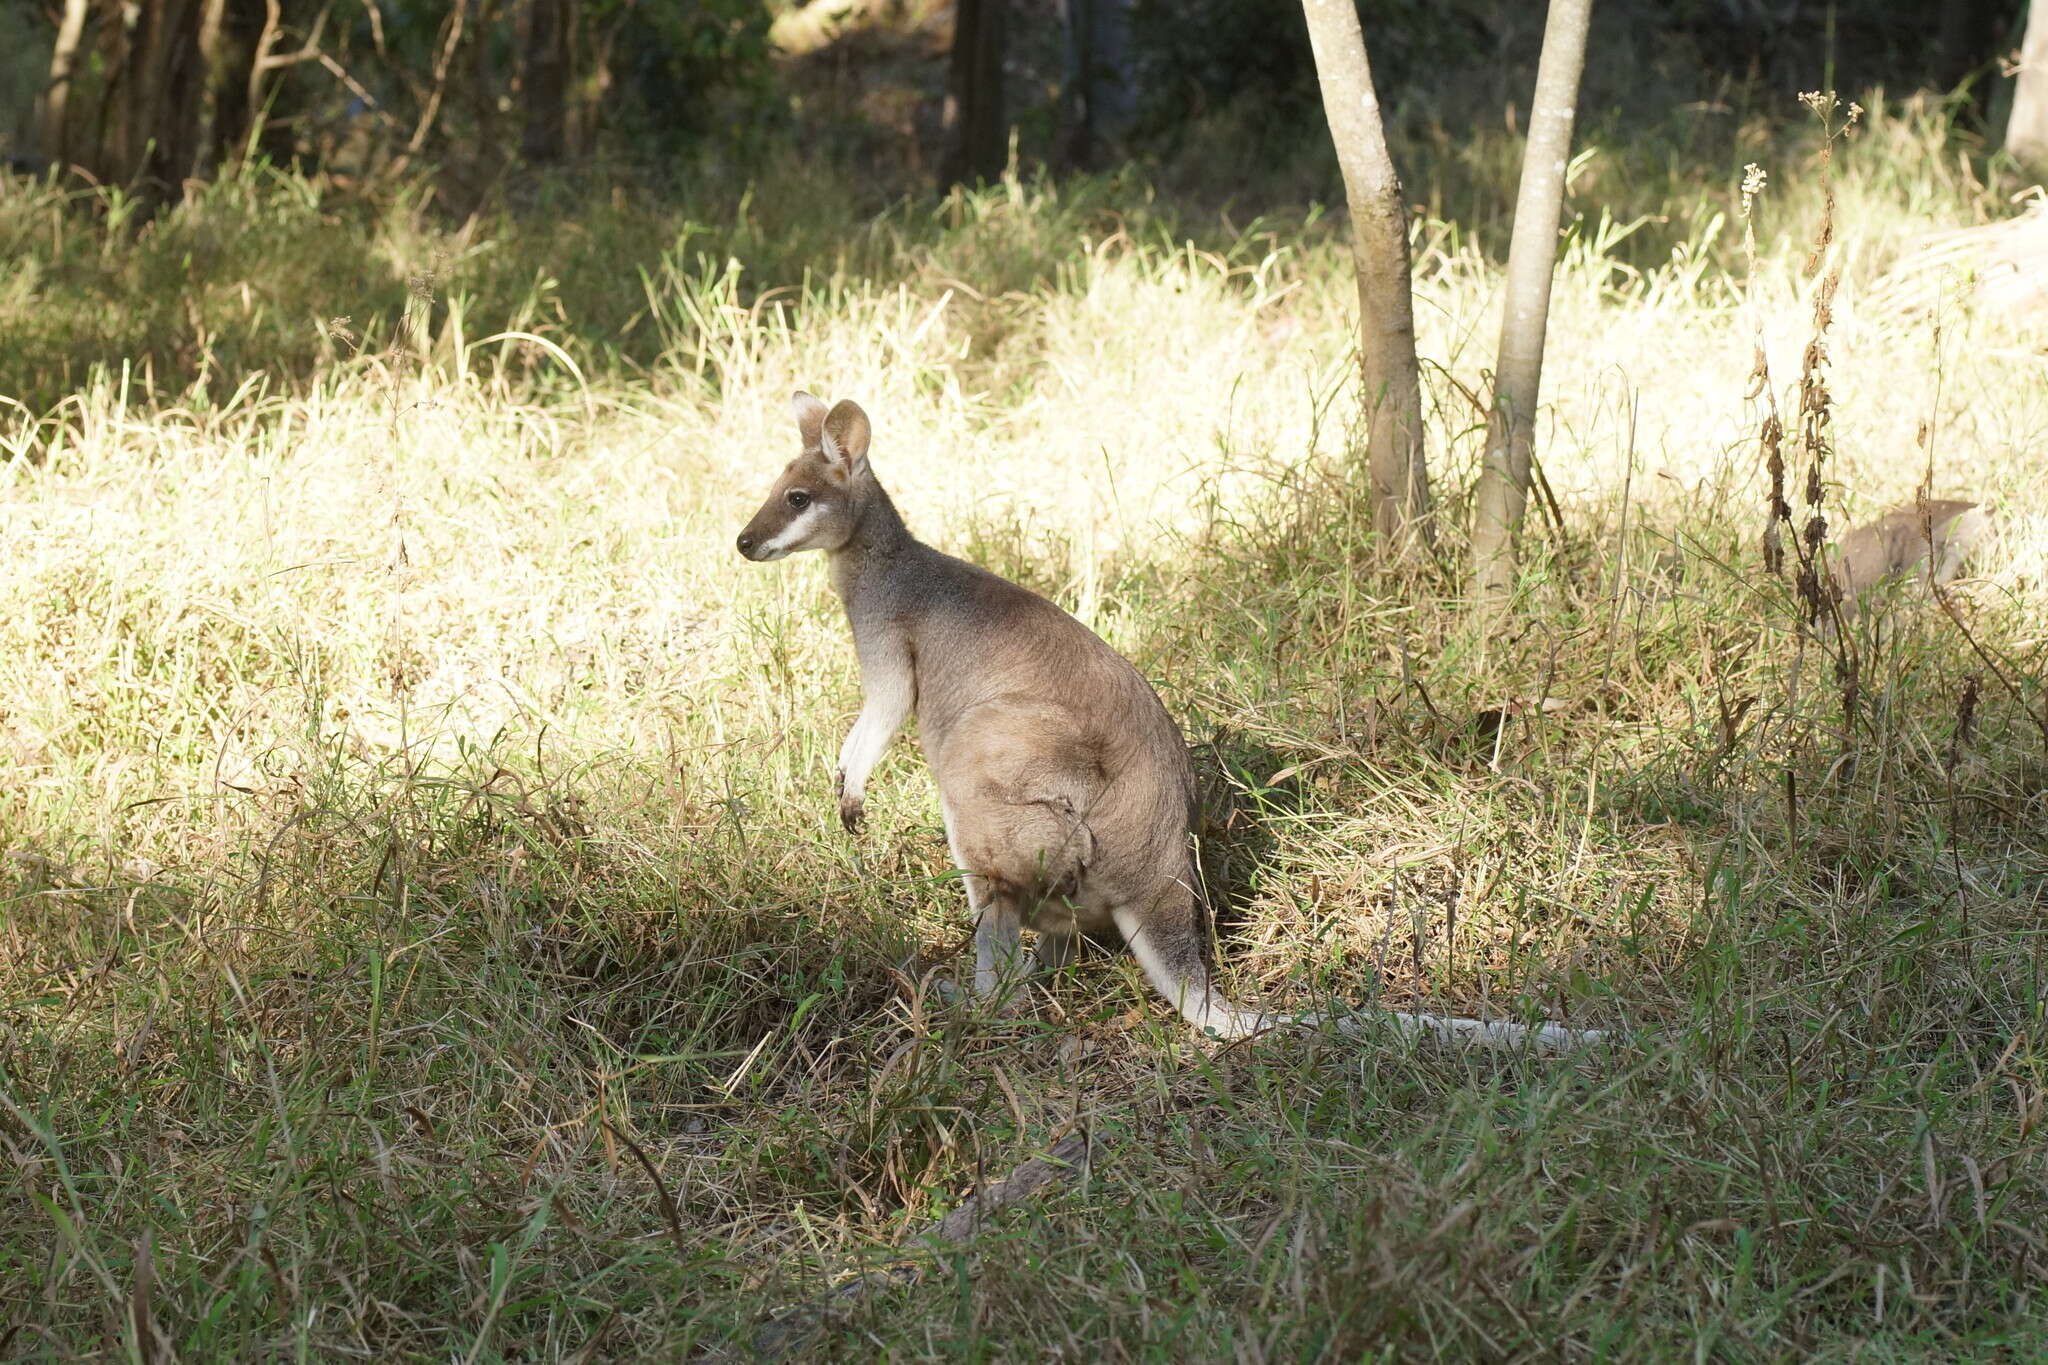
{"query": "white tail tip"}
[(1503, 1034)]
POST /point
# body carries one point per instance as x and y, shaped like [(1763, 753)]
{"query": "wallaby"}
[(1065, 786), (1930, 539)]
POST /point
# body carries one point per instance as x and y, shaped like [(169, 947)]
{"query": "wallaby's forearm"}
[(886, 679)]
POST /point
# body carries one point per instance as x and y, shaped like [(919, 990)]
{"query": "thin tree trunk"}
[(57, 103), (2026, 131), (207, 135), (1503, 492), (547, 82), (1077, 18), (977, 134), (451, 39), (259, 58), (234, 66), (597, 87), (133, 90), (180, 49), (1100, 96), (1379, 253)]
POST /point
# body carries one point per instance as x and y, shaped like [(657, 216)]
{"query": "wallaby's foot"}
[(1005, 997), (996, 1003), (1053, 952), (852, 809), (1010, 1004)]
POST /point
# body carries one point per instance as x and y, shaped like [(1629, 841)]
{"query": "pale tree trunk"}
[(57, 103), (212, 83), (2026, 131), (1379, 254), (1503, 491)]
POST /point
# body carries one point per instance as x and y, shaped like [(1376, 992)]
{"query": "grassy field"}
[(425, 931)]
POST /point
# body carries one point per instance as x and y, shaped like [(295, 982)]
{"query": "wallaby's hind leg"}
[(1054, 950), (1167, 942), (998, 919), (999, 956), (1012, 854)]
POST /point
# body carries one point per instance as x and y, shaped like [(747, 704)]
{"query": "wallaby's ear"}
[(810, 417), (846, 437)]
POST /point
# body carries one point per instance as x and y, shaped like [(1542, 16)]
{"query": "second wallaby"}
[(1065, 786), (1929, 540)]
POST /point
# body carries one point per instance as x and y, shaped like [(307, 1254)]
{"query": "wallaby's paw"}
[(852, 813), (1010, 1004), (994, 1003)]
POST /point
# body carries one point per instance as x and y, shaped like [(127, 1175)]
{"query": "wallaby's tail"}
[(1174, 964), (1500, 1033), (1505, 1034)]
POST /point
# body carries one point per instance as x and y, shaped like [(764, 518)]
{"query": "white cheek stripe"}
[(793, 535)]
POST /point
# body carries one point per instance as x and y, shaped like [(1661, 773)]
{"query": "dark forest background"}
[(1217, 97)]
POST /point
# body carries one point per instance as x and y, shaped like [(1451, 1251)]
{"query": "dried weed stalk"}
[(1771, 432), (1819, 593)]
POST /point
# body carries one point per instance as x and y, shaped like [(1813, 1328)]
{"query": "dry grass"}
[(429, 936)]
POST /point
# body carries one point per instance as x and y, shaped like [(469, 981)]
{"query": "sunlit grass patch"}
[(426, 931)]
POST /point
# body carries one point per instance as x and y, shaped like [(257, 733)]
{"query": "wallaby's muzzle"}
[(769, 535)]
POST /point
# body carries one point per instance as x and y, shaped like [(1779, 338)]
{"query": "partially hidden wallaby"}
[(1065, 786), (1929, 541)]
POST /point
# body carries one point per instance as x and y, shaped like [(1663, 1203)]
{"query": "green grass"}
[(426, 933)]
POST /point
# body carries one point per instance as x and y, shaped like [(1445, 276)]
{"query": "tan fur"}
[(1928, 541), (1065, 786)]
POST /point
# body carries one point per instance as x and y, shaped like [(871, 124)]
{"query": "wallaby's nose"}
[(746, 544)]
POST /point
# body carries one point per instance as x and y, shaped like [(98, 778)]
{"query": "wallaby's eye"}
[(799, 499)]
